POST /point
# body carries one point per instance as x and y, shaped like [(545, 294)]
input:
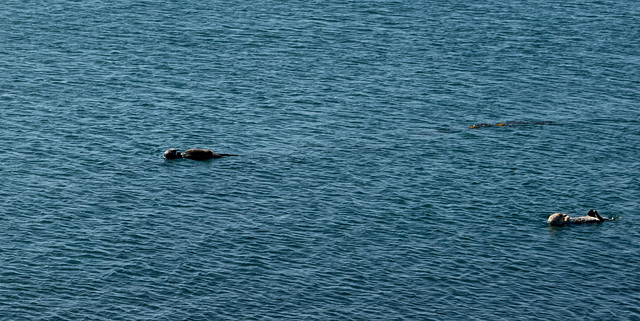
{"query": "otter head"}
[(558, 219), (172, 154)]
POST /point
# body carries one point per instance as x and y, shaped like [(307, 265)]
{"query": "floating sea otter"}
[(194, 153), (560, 219), (510, 123)]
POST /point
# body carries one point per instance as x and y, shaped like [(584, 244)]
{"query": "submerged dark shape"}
[(510, 123), (480, 125), (193, 153), (561, 219)]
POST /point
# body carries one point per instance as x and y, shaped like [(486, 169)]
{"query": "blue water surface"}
[(360, 192)]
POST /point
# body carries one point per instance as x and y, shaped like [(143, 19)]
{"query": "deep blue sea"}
[(360, 192)]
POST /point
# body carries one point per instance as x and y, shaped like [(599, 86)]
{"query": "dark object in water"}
[(193, 153), (172, 154), (561, 219), (510, 123)]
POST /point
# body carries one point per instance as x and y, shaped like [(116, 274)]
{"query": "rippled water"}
[(360, 192)]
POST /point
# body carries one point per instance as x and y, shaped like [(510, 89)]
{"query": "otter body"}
[(193, 153), (509, 123), (561, 219), (199, 154)]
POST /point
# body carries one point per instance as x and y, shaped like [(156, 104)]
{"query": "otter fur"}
[(561, 219), (193, 153), (172, 154)]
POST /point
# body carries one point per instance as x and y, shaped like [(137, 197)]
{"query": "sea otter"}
[(193, 153), (560, 219), (509, 123)]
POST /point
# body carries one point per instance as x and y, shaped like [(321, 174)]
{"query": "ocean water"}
[(360, 193)]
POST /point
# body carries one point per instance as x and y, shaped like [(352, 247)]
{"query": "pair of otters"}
[(193, 153), (556, 219), (561, 219)]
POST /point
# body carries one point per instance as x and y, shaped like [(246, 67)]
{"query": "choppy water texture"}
[(360, 192)]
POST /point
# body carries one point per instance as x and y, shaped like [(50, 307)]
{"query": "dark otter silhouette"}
[(193, 153), (561, 219), (509, 123)]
